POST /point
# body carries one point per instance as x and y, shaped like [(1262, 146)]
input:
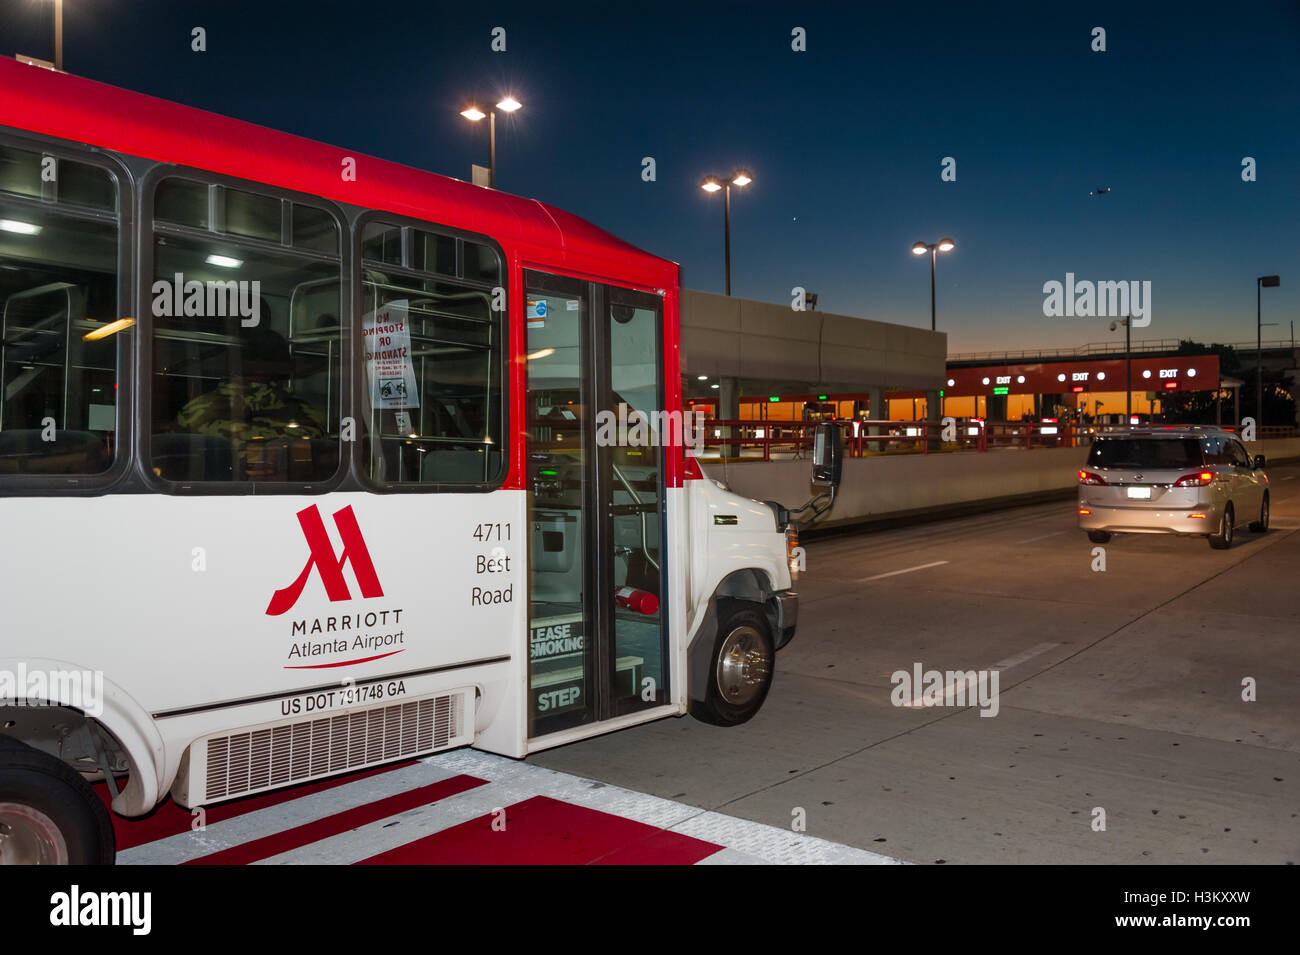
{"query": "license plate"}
[(1141, 493)]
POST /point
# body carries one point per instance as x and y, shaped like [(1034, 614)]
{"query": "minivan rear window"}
[(1150, 453)]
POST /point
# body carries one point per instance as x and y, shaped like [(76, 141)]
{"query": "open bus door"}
[(598, 639)]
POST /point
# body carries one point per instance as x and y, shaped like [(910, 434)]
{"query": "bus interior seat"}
[(69, 302), (452, 466), (324, 457), (290, 459), (193, 457), (23, 451)]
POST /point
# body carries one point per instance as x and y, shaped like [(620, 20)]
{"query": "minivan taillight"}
[(1087, 477), (1200, 479)]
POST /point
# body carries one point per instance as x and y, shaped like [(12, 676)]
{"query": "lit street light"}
[(713, 184), (474, 114), (1264, 281), (920, 248)]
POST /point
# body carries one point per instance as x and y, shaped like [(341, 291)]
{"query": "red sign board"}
[(1178, 373)]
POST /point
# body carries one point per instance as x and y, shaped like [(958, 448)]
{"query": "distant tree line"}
[(1197, 407)]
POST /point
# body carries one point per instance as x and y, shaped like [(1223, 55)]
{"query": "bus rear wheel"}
[(740, 672), (49, 815)]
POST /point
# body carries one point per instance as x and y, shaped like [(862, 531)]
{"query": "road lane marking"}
[(283, 815), (907, 570), (513, 781), (1020, 658), (368, 816), (1030, 540), (970, 677), (344, 821)]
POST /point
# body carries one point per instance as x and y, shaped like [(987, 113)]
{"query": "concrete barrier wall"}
[(897, 486), (739, 338), (1279, 449)]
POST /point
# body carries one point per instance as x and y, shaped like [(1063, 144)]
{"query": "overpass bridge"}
[(1277, 354)]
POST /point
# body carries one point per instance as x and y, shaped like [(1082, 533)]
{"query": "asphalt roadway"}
[(1121, 734)]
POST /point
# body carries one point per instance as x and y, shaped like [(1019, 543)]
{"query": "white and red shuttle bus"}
[(301, 471)]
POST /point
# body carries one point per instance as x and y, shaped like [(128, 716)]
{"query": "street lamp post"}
[(1264, 281), (713, 184), (58, 34), (1128, 367), (474, 114), (920, 248)]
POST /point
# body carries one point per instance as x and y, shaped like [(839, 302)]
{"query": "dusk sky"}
[(844, 140)]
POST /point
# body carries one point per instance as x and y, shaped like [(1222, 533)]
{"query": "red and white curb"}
[(467, 807)]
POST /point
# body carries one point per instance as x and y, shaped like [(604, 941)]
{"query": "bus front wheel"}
[(740, 671), (49, 815)]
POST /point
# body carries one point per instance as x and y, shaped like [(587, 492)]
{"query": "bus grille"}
[(242, 763)]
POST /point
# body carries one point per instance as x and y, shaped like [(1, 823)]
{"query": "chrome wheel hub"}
[(743, 666), (29, 837)]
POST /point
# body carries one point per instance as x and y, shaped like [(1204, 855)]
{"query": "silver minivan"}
[(1178, 480)]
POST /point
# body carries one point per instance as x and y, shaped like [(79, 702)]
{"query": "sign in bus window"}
[(386, 347), (432, 352)]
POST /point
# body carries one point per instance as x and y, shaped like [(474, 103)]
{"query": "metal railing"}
[(1107, 348), (782, 440)]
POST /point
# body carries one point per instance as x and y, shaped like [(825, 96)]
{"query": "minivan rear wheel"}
[(1099, 537), (1261, 525), (1223, 539)]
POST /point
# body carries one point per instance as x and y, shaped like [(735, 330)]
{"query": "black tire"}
[(1223, 539), (745, 638), (60, 801), (1261, 525), (1099, 537)]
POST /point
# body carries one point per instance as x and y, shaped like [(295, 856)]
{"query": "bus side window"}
[(60, 327), (247, 337), (432, 354)]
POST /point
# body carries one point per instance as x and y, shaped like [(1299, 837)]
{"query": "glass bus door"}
[(597, 637)]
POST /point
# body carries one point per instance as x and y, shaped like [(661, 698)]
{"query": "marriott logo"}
[(323, 558)]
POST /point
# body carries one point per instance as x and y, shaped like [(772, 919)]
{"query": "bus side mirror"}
[(828, 454), (1259, 462)]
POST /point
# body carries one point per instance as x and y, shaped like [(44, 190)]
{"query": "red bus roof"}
[(84, 111)]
